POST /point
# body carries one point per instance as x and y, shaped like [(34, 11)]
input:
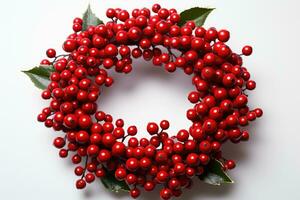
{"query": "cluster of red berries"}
[(96, 143)]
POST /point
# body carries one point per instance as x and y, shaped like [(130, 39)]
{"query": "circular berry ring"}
[(97, 142)]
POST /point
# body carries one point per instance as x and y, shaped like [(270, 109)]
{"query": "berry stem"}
[(56, 57), (85, 166)]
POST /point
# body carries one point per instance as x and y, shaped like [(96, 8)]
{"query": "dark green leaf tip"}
[(40, 75), (196, 14), (215, 174), (110, 182), (90, 19)]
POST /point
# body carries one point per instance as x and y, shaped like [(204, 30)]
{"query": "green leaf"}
[(196, 14), (215, 174), (111, 183), (40, 75), (90, 19)]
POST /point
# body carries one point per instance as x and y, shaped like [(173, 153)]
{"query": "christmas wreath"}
[(101, 147)]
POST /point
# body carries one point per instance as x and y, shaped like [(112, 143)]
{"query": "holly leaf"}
[(196, 14), (40, 75), (214, 174), (110, 182), (90, 19)]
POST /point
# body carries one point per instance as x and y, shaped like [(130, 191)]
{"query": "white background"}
[(268, 165)]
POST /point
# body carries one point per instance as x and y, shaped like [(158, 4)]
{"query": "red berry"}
[(165, 193), (120, 174), (132, 164), (150, 151), (205, 146), (135, 193), (59, 142), (204, 159), (152, 128), (163, 13), (182, 135), (134, 33), (110, 13), (100, 172), (211, 34), (104, 155), (162, 27), (164, 124), (155, 8), (78, 171), (241, 100), (80, 184), (258, 112), (209, 126), (84, 121), (133, 142), (162, 176), (63, 153), (247, 50), (78, 20), (108, 139), (161, 156), (92, 150), (69, 45), (51, 53), (131, 179), (229, 80), (123, 15), (230, 164), (223, 35), (89, 177), (77, 27), (194, 97), (111, 50), (250, 85), (179, 168), (145, 163), (149, 185), (174, 184)]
